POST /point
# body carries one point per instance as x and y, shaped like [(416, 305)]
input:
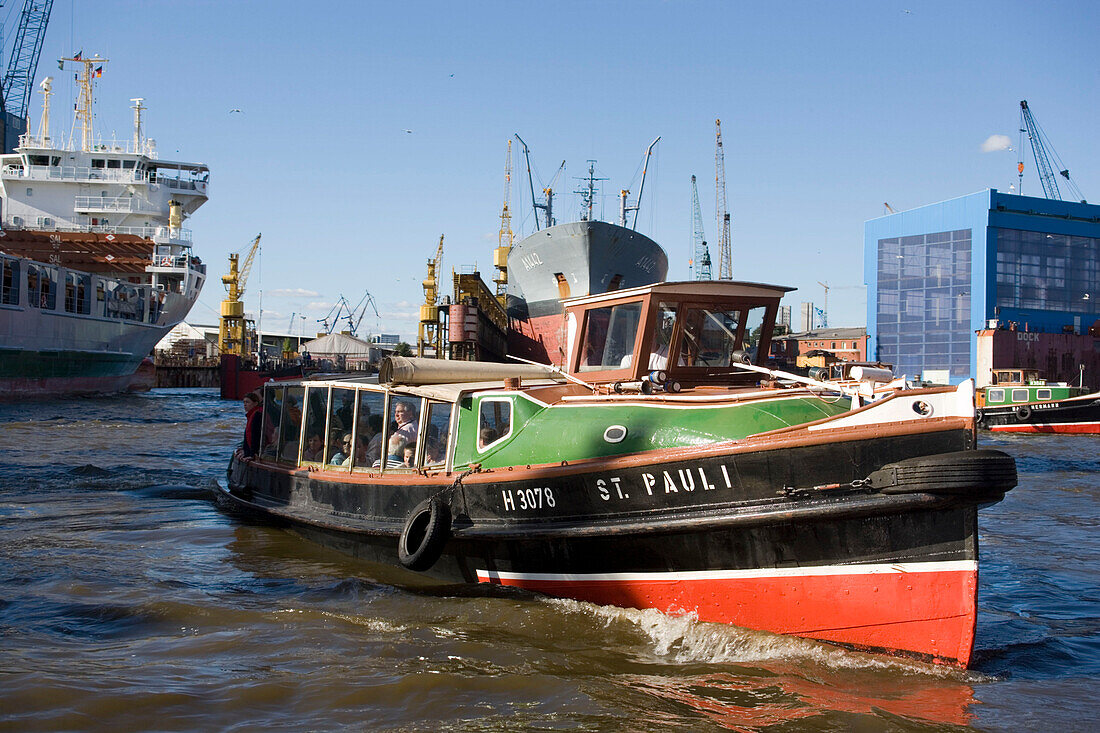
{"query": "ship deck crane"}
[(725, 254), (429, 333), (547, 191), (22, 65), (700, 254), (504, 241), (237, 334), (1043, 151)]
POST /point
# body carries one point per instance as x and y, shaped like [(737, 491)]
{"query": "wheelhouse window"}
[(1019, 395), (995, 395), (609, 335), (1043, 394), (494, 422), (661, 343), (709, 337)]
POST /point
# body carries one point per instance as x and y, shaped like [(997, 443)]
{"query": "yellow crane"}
[(428, 333), (237, 334), (504, 242)]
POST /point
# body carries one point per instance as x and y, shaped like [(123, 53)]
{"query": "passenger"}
[(254, 419), (315, 449), (374, 448), (291, 431), (344, 451), (395, 451), (409, 456), (360, 453), (433, 453), (485, 437), (346, 411), (407, 420)]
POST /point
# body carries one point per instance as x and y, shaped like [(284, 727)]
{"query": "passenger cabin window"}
[(41, 291), (1043, 394), (995, 395), (609, 335), (313, 451), (1019, 395), (494, 422), (78, 293), (290, 425), (371, 426), (438, 429), (403, 434), (269, 436)]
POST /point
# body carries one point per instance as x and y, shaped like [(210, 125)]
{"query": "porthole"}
[(922, 408), (614, 434)]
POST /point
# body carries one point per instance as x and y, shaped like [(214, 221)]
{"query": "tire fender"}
[(1023, 412), (424, 535)]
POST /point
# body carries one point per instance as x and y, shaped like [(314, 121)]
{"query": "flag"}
[(98, 71), (61, 64), (76, 56)]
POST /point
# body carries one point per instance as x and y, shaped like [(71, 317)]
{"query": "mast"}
[(86, 97), (137, 122), (588, 193), (44, 126)]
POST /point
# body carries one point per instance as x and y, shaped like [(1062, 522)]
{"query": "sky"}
[(368, 129)]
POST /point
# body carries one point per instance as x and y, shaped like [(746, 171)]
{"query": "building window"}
[(923, 306), (30, 192), (1044, 271)]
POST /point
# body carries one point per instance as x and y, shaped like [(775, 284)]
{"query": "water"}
[(128, 602)]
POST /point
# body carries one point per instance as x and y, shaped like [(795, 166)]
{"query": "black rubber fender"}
[(424, 535), (979, 417), (1023, 412), (981, 473)]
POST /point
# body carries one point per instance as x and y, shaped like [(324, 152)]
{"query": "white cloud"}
[(995, 143), (292, 293), (319, 306)]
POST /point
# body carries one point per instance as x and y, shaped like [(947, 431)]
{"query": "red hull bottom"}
[(1072, 428), (48, 387), (922, 610)]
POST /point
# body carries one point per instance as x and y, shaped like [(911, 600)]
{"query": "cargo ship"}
[(559, 261), (96, 264)]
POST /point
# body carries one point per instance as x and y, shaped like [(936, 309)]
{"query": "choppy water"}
[(128, 602)]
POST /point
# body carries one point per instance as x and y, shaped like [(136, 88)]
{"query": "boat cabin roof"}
[(695, 332)]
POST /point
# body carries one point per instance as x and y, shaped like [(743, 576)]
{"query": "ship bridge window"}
[(114, 163), (127, 164), (609, 335), (9, 291), (38, 159), (55, 161), (1019, 395), (98, 162), (494, 422)]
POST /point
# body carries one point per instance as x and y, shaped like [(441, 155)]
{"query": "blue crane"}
[(700, 253), (1039, 148), (22, 66)]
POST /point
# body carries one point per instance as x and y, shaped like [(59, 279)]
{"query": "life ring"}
[(425, 533), (1023, 412)]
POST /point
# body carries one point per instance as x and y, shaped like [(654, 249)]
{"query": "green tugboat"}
[(1020, 401)]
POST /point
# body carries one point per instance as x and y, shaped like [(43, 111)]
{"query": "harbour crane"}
[(1042, 151), (623, 208), (700, 255), (237, 334), (725, 255), (429, 334), (504, 240), (22, 65)]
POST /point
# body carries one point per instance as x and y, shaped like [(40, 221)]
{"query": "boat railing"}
[(159, 232), (146, 147), (75, 173), (121, 204)]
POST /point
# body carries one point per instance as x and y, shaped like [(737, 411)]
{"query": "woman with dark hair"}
[(254, 419)]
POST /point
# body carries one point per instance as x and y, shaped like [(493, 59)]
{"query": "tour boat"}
[(664, 467)]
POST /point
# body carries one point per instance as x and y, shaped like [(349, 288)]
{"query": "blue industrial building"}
[(938, 273)]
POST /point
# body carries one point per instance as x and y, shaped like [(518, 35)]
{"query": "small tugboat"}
[(1020, 401), (664, 468)]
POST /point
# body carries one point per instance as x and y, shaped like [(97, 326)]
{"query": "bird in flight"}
[(409, 131), (235, 110)]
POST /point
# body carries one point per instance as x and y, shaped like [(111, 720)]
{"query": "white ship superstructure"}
[(96, 263)]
